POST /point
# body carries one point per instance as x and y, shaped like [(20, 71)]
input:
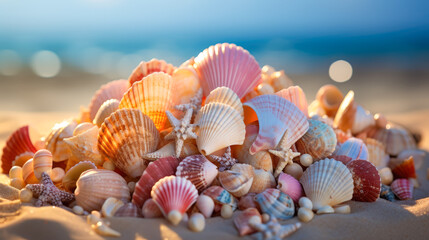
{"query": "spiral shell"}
[(274, 202), (55, 140), (329, 97), (344, 118), (235, 182)]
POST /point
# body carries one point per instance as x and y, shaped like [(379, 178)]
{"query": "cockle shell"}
[(19, 142), (376, 153), (402, 188), (174, 196), (274, 202), (279, 80), (241, 221), (169, 150), (319, 141), (290, 186), (237, 183), (42, 162), (94, 186), (220, 196), (363, 119), (152, 96), (329, 98), (275, 116), (262, 180), (295, 95), (107, 108), (366, 180), (28, 173), (344, 118), (155, 171), (327, 182), (125, 136), (146, 68), (353, 148), (219, 127), (129, 210), (73, 174), (403, 168), (248, 201), (197, 169), (151, 210), (55, 140), (206, 205), (394, 137), (226, 96), (227, 65)]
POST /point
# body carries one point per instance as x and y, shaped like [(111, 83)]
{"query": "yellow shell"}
[(226, 96), (72, 175), (376, 153), (107, 108), (54, 142), (28, 173), (262, 180), (329, 97), (42, 162)]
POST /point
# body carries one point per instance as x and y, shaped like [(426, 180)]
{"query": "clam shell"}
[(262, 180), (28, 173), (226, 96), (55, 140), (386, 193), (19, 142), (173, 194), (107, 108), (248, 201), (276, 203), (344, 118), (275, 116), (72, 175), (227, 65), (237, 183), (402, 188), (94, 186), (395, 138), (197, 169), (152, 96), (327, 182), (125, 137), (151, 210), (353, 148), (42, 162), (376, 153), (295, 95), (330, 98), (319, 141), (129, 210), (155, 171), (363, 119), (219, 127), (241, 221), (112, 90), (290, 186), (279, 81), (146, 68), (220, 197), (403, 168), (366, 180)]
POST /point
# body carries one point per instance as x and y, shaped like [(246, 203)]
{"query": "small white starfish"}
[(272, 230), (285, 155), (194, 103), (226, 161), (182, 130)]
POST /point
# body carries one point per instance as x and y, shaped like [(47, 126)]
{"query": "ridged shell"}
[(274, 202), (28, 173), (395, 138), (220, 196), (376, 153), (344, 118), (241, 221), (403, 168), (197, 169), (42, 162), (72, 175), (275, 116), (354, 148), (155, 171), (19, 142), (152, 96), (402, 188), (219, 127), (319, 141), (129, 210), (112, 90), (327, 182), (227, 65), (125, 137), (237, 183), (151, 210), (290, 186), (96, 185), (295, 95), (363, 119), (262, 180), (107, 108), (226, 96), (146, 68), (55, 140), (367, 182), (329, 98)]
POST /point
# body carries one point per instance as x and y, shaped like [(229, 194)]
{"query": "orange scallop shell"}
[(146, 68)]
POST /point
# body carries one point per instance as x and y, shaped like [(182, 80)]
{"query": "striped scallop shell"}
[(107, 108), (220, 197), (354, 148), (329, 97), (112, 90), (367, 182), (402, 188), (319, 141), (197, 169), (227, 65), (155, 171), (42, 162), (94, 186), (403, 168), (295, 95), (146, 68), (72, 175), (275, 116), (219, 127), (290, 186), (344, 118), (226, 96), (276, 203), (394, 137), (152, 96), (237, 183), (376, 153), (125, 136), (327, 183)]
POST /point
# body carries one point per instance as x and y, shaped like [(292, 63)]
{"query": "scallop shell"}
[(295, 95), (367, 181), (402, 188), (275, 116), (219, 127), (28, 173), (155, 171), (319, 141), (227, 65), (72, 175), (129, 210), (262, 180), (146, 68), (197, 169), (185, 86), (330, 98), (42, 162), (151, 210), (19, 142), (344, 118), (363, 119), (248, 201), (174, 194), (354, 148), (125, 137), (279, 81), (55, 140), (220, 196), (376, 153), (327, 182), (152, 96), (169, 150), (107, 108), (395, 138), (403, 168), (276, 203), (226, 96), (290, 186), (94, 186), (112, 90)]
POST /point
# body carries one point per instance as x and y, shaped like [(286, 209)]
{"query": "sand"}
[(379, 220)]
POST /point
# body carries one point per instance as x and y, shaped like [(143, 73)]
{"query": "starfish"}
[(48, 193), (285, 155), (182, 130), (226, 160), (273, 230), (194, 103)]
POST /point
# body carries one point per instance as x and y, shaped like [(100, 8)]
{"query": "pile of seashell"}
[(215, 135)]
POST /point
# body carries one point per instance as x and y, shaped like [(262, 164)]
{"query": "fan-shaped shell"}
[(327, 182), (276, 203), (403, 168), (72, 175), (295, 95), (155, 171), (94, 186), (394, 137), (275, 116), (319, 141), (220, 196), (363, 119), (402, 188), (329, 98), (376, 153), (226, 96), (290, 186), (344, 118), (19, 142), (197, 169), (146, 68), (107, 108), (152, 96), (125, 136), (367, 181), (227, 65), (354, 148)]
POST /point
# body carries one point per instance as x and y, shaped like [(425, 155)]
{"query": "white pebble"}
[(15, 172), (226, 211), (305, 202), (344, 209), (57, 174), (78, 210), (325, 210), (306, 160), (305, 214), (295, 170), (386, 176), (265, 218), (197, 222)]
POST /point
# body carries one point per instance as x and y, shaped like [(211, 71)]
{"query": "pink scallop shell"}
[(367, 182), (197, 169), (227, 65), (295, 95), (354, 148), (290, 186), (402, 188), (146, 68)]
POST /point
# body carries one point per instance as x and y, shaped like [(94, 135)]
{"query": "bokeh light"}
[(46, 64), (10, 62), (340, 71)]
